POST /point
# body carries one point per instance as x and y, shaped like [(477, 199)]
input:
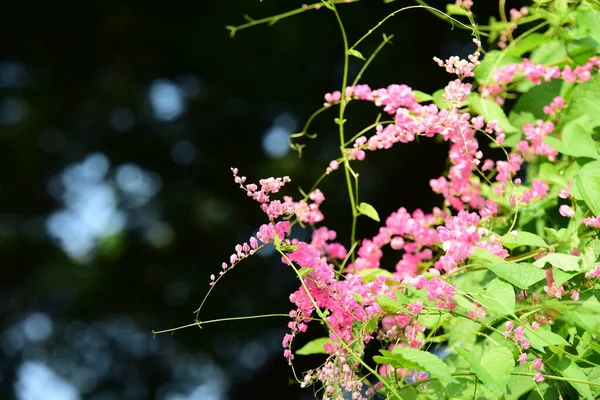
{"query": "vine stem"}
[(340, 121), (273, 19), (200, 323)]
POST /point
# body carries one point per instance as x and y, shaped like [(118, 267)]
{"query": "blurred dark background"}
[(119, 122)]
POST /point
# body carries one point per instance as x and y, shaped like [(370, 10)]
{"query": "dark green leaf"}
[(534, 100)]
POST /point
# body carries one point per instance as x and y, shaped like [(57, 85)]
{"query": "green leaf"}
[(439, 100), (543, 338), (304, 271), (549, 53), (561, 276), (406, 357), (371, 324), (518, 119), (452, 9), (490, 111), (422, 96), (484, 255), (566, 262), (370, 274), (585, 315), (587, 184), (358, 298), (497, 296), (355, 53), (549, 173), (569, 369), (527, 44), (582, 49), (577, 141), (493, 368), (492, 60), (522, 275), (389, 304), (519, 385), (523, 239), (589, 23), (314, 347), (584, 100), (534, 100), (368, 210)]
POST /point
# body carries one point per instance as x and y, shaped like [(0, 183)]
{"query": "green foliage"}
[(368, 210), (314, 347), (493, 368), (405, 357), (522, 275), (521, 281)]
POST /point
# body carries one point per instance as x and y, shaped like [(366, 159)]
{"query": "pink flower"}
[(593, 222), (574, 294), (594, 273), (538, 377), (522, 358), (537, 364), (566, 211)]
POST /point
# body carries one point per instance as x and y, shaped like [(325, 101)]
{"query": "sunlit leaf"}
[(406, 357), (314, 347), (523, 239), (522, 275), (368, 210), (493, 368)]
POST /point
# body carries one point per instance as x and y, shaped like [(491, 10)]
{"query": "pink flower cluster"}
[(594, 222), (460, 67), (593, 273), (413, 233), (459, 235), (305, 212), (517, 334), (478, 313), (538, 190), (274, 209), (537, 73), (535, 135), (332, 251), (266, 234), (348, 301), (557, 104)]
